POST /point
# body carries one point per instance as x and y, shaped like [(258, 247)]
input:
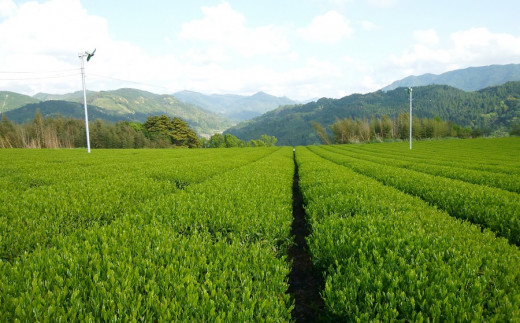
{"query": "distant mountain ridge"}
[(55, 108), (118, 105), (12, 100), (468, 79), (490, 109), (235, 107)]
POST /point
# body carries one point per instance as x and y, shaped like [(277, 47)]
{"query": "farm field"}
[(203, 235)]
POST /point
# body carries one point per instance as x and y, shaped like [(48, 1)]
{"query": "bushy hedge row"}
[(490, 207), (389, 256), (213, 250)]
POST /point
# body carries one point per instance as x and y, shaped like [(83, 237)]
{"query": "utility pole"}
[(410, 92), (82, 58)]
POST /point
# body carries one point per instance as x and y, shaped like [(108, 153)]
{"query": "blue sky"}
[(300, 49)]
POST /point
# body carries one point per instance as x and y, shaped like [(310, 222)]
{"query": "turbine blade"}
[(89, 56)]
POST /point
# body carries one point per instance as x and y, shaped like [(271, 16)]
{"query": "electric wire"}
[(39, 78), (39, 72), (37, 75), (40, 75)]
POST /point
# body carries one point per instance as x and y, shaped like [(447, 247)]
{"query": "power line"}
[(4, 76), (39, 78), (38, 72)]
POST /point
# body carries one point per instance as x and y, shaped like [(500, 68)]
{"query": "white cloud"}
[(45, 39), (206, 57), (7, 8), (222, 25), (54, 26), (473, 47), (330, 28), (369, 84), (427, 37), (48, 37), (368, 25)]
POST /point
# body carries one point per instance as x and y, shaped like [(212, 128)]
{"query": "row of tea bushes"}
[(490, 207), (214, 250), (45, 194), (387, 255), (505, 181)]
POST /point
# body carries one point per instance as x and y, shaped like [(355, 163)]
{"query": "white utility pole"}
[(410, 92), (82, 58)]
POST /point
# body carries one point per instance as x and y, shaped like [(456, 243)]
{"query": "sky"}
[(302, 49)]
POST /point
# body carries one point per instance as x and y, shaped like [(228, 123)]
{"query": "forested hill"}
[(489, 109), (54, 108), (118, 105), (11, 100), (468, 79)]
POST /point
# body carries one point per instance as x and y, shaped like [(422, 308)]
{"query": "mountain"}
[(468, 79), (74, 96), (490, 109), (54, 108), (235, 107), (122, 105), (12, 100)]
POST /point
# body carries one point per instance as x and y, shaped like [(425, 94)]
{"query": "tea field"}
[(430, 234)]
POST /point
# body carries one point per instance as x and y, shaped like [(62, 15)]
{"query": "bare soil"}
[(304, 284)]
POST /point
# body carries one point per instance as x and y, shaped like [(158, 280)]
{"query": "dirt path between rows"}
[(303, 283)]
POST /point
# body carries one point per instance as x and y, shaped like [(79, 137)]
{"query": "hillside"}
[(121, 105), (54, 108), (468, 79), (11, 100), (489, 109), (74, 96), (235, 107)]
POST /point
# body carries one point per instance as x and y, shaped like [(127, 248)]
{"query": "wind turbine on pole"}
[(82, 58)]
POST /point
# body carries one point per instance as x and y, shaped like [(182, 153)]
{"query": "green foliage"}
[(216, 141), (504, 177), (11, 101), (230, 141), (113, 106), (203, 234), (515, 129), (322, 133), (387, 255), (176, 130), (269, 140), (149, 235), (487, 110), (362, 130), (56, 109), (157, 132), (493, 208)]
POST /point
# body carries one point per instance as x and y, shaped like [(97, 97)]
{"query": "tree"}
[(322, 133), (175, 130), (216, 141), (8, 134), (38, 129), (386, 127), (269, 140), (515, 130), (231, 141), (349, 130), (256, 143)]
